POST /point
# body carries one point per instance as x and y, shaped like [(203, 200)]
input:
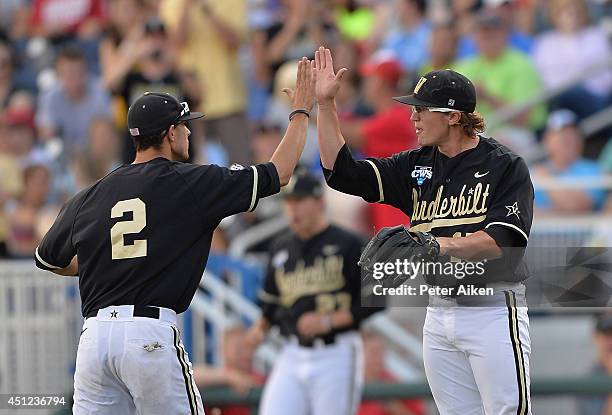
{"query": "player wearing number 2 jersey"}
[(139, 241)]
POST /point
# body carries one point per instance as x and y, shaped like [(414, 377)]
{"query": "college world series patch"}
[(421, 173)]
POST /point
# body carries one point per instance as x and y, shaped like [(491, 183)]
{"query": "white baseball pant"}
[(133, 365), (477, 357), (320, 380)]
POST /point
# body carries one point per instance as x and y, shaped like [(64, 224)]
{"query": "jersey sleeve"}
[(510, 214), (56, 249), (375, 180), (223, 192)]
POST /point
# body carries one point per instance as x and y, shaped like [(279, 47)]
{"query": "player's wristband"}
[(296, 112)]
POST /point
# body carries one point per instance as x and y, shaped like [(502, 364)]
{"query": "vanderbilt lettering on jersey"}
[(320, 275), (486, 188), (460, 208), (324, 275)]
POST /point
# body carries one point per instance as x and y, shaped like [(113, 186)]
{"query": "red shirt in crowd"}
[(68, 14), (385, 134)]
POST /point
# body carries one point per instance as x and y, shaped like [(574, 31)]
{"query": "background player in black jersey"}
[(312, 292), (139, 240), (475, 196)]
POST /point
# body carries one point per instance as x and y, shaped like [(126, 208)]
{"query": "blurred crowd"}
[(69, 69)]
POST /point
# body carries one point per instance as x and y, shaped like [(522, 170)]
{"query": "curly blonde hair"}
[(472, 123)]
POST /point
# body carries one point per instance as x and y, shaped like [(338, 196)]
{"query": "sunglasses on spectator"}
[(419, 109)]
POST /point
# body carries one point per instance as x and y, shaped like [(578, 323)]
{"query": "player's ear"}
[(171, 133), (454, 118)]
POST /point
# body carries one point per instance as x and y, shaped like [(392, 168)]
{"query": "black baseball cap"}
[(443, 89), (303, 184), (154, 112)]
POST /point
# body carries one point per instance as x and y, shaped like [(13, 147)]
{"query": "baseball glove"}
[(396, 243)]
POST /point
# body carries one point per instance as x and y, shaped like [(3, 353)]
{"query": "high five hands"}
[(327, 82), (315, 78), (303, 95)]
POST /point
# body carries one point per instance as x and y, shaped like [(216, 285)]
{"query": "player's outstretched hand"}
[(303, 96), (328, 82)]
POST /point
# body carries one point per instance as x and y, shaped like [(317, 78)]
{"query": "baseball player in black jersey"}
[(312, 292), (139, 240), (475, 196)]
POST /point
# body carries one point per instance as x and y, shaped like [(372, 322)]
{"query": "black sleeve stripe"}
[(45, 263), (254, 196), (378, 178), (509, 225)]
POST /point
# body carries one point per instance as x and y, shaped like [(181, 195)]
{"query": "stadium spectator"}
[(101, 155), (375, 371), (20, 134), (408, 36), (66, 110), (567, 52), (60, 20), (502, 76), (152, 68), (236, 371), (442, 48), (11, 181), (23, 213), (209, 35), (563, 142), (293, 30), (388, 131), (602, 339), (121, 45), (507, 10), (7, 86), (14, 18)]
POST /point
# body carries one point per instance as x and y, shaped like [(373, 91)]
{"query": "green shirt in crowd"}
[(511, 78)]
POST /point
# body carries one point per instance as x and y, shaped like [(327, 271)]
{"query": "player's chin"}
[(422, 140)]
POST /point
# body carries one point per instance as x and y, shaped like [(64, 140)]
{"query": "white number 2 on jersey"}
[(139, 220)]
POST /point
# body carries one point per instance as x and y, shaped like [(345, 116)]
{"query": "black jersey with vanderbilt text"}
[(142, 234), (320, 274), (487, 188)]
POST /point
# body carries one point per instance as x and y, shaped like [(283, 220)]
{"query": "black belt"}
[(139, 311), (327, 340)]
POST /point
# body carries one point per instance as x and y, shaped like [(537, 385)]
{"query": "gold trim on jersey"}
[(442, 223), (324, 275), (379, 180)]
